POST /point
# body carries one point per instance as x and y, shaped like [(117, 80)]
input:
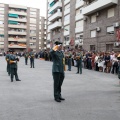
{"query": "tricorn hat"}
[(57, 43)]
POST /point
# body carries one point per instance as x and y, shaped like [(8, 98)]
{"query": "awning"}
[(12, 22), (13, 15)]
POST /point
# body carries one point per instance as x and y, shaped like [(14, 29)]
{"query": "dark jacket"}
[(57, 57)]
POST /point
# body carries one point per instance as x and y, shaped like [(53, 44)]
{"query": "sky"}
[(41, 4)]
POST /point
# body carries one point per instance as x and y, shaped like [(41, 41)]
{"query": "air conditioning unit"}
[(97, 14), (116, 44), (116, 24), (98, 29)]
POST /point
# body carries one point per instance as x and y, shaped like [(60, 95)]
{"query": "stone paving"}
[(90, 96)]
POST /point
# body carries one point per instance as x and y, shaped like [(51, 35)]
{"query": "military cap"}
[(57, 43)]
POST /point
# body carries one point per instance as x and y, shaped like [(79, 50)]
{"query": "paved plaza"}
[(90, 96)]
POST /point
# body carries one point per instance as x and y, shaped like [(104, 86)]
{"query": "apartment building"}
[(19, 28), (87, 24)]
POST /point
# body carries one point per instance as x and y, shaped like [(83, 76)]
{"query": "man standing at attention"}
[(57, 70)]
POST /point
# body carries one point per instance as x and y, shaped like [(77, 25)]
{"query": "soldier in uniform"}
[(31, 56), (57, 70), (8, 60), (69, 60), (26, 58), (13, 66), (79, 62)]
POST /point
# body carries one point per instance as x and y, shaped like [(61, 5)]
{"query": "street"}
[(90, 96)]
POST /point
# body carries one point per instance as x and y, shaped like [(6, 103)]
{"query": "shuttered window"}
[(79, 23), (111, 12), (93, 18), (93, 33)]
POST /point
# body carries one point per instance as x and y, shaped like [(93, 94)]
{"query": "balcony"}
[(1, 18), (16, 33), (33, 16), (79, 4), (66, 33), (98, 5), (2, 5), (67, 11), (17, 39), (1, 12), (32, 41), (79, 29), (66, 2), (32, 34), (55, 16), (33, 46), (17, 26), (2, 25), (18, 19), (17, 46), (18, 12), (1, 39), (78, 17), (56, 6), (67, 22), (57, 24), (1, 46), (17, 6)]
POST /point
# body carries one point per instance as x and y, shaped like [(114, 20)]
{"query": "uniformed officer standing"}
[(31, 56), (79, 62), (26, 58), (69, 60), (57, 70), (13, 66), (8, 60)]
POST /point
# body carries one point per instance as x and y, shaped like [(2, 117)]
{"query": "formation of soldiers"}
[(12, 60), (12, 66)]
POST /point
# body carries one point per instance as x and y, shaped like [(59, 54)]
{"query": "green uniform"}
[(32, 56), (8, 64), (57, 71), (79, 62), (13, 67), (26, 58)]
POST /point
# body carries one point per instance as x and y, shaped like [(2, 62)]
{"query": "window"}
[(79, 23), (110, 29), (93, 18), (111, 13), (92, 47), (79, 11), (32, 31), (109, 47), (93, 33)]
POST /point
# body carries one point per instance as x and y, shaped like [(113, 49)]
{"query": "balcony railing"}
[(55, 16), (17, 46), (56, 6), (66, 2), (79, 29), (18, 19), (55, 25), (78, 17), (67, 11), (98, 5), (17, 39), (79, 4), (18, 12), (17, 33), (17, 26)]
